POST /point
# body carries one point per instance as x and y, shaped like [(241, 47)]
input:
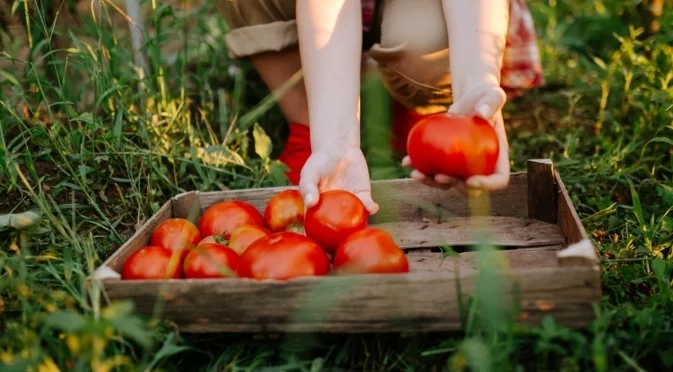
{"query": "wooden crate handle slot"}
[(542, 191)]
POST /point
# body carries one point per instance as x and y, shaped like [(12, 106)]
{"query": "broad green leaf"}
[(64, 320), (263, 144), (277, 174)]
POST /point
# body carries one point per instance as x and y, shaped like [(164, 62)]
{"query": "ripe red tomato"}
[(284, 210), (245, 235), (210, 260), (457, 146), (338, 214), (225, 217), (370, 251), (282, 256), (212, 239), (152, 262), (176, 234)]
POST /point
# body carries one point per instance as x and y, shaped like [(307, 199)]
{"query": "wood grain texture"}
[(580, 250), (403, 200), (409, 200), (465, 231), (468, 262), (568, 220), (357, 304), (188, 206), (542, 194)]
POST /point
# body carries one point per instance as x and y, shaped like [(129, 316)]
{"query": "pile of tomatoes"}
[(233, 239)]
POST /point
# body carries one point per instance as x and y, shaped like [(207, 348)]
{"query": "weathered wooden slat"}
[(410, 200), (404, 200), (568, 220), (571, 317), (542, 193), (463, 231), (468, 262), (371, 303), (580, 251), (187, 205)]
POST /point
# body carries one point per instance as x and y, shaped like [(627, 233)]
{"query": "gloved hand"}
[(329, 170), (485, 100)]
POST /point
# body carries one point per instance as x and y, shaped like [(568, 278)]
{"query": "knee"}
[(415, 79), (414, 60), (258, 26)]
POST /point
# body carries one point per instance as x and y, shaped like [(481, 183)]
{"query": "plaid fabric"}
[(521, 66)]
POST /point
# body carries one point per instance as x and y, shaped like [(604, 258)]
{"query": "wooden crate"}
[(551, 267)]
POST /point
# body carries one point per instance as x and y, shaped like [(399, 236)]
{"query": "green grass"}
[(94, 153)]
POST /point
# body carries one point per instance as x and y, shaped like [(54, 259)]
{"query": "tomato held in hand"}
[(338, 214), (285, 211), (370, 251), (283, 256), (456, 146), (210, 260), (152, 262), (244, 236), (176, 234), (225, 217)]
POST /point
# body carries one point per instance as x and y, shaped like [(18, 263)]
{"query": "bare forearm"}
[(477, 34), (330, 43)]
